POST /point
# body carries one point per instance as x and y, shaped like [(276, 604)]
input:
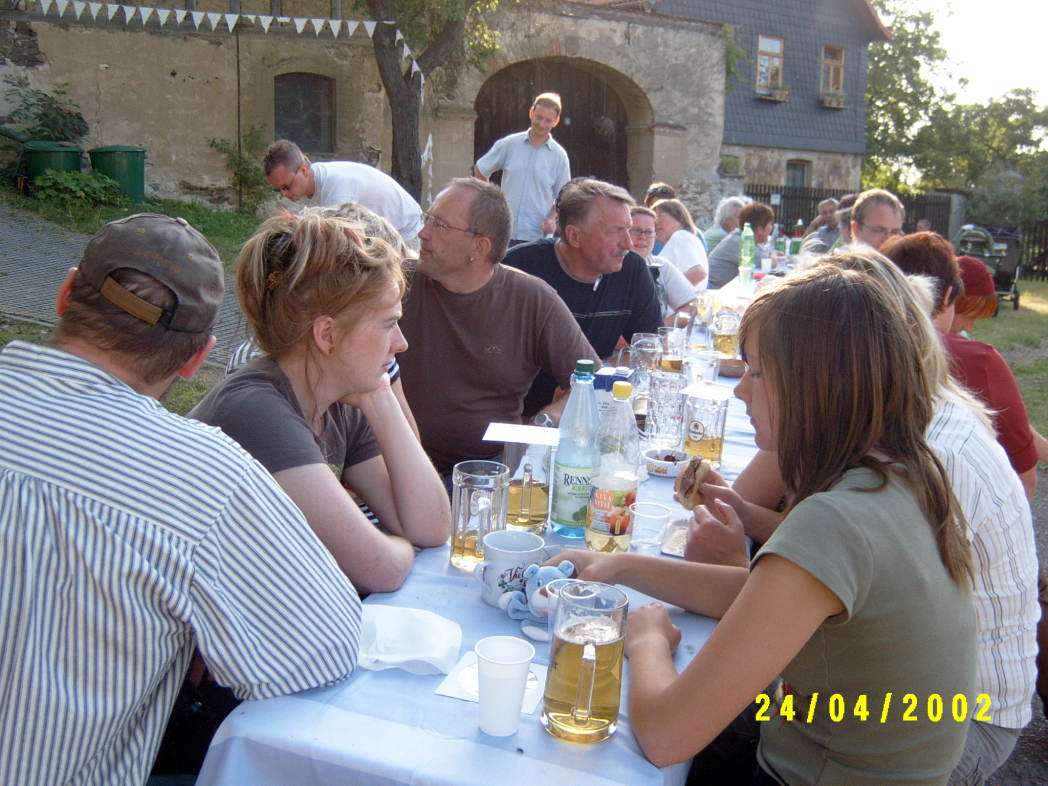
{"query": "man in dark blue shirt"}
[(592, 267)]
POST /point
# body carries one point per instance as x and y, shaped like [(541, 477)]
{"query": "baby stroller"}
[(1000, 252)]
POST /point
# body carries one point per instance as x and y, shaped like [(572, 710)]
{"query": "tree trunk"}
[(404, 93)]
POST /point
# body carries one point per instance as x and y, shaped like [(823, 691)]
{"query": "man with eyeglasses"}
[(876, 216), (332, 183), (478, 332)]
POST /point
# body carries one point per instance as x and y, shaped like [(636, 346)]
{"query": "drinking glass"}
[(645, 357), (706, 411), (478, 506), (665, 417), (726, 333), (671, 340), (584, 680)]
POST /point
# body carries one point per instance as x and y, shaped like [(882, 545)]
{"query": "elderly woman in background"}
[(725, 220), (724, 261), (322, 301), (676, 230)]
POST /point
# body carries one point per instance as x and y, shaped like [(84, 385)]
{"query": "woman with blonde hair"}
[(676, 231), (863, 585), (322, 302)]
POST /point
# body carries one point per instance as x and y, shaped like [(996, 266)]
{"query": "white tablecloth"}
[(389, 727)]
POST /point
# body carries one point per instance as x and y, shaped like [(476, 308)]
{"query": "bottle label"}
[(571, 493), (609, 508)]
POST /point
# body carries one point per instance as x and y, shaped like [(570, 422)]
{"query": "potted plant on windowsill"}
[(779, 93), (832, 99)]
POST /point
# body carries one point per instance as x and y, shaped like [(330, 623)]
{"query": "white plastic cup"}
[(503, 663), (649, 522)]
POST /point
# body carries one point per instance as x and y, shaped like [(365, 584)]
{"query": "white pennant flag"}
[(214, 19), (370, 27), (129, 12), (162, 15), (61, 5), (94, 8), (351, 27), (78, 8), (45, 6), (300, 23), (405, 51), (231, 21), (265, 21), (198, 18), (180, 15), (398, 38), (145, 12), (283, 19), (336, 25), (318, 25), (109, 11)]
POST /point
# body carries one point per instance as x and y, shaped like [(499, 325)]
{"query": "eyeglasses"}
[(286, 188), (642, 232), (443, 226), (882, 231)]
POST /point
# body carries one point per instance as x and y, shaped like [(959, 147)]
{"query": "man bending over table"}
[(130, 535)]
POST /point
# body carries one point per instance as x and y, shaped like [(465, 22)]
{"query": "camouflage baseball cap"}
[(169, 250)]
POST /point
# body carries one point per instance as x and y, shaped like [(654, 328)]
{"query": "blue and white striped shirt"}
[(127, 536)]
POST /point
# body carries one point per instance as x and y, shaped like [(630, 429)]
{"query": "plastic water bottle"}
[(747, 250), (797, 237), (609, 520), (576, 458)]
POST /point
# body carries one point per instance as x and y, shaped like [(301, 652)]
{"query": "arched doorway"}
[(597, 112)]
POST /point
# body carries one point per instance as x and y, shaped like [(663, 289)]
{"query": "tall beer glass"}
[(584, 680), (478, 506)]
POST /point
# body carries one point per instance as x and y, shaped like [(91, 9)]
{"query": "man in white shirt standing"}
[(130, 536), (332, 183), (534, 170)]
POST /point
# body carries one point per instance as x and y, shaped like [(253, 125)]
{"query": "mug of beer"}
[(584, 680), (478, 506), (726, 333), (705, 413)]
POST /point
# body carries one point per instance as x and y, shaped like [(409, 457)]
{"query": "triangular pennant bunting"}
[(78, 8), (162, 15), (265, 21), (129, 12), (283, 19), (351, 27), (370, 27), (213, 20), (399, 37), (45, 6), (180, 15), (336, 25), (198, 18), (318, 25), (109, 11), (61, 6), (94, 8), (145, 12), (300, 23), (231, 21)]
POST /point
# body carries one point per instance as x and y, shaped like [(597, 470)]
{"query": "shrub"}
[(245, 165), (42, 115), (67, 189)]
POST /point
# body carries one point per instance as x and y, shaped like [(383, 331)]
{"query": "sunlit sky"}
[(997, 45)]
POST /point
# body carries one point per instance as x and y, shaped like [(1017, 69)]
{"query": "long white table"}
[(389, 727)]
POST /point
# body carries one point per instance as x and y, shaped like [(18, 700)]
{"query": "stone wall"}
[(170, 91), (675, 105), (767, 165)]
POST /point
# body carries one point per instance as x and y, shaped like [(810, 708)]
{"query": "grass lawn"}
[(227, 230)]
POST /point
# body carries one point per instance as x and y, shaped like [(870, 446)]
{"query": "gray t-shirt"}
[(257, 407), (906, 628)]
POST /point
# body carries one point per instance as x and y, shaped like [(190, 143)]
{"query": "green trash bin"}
[(126, 165), (39, 156)]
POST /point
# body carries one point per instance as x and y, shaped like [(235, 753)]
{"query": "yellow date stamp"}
[(907, 707)]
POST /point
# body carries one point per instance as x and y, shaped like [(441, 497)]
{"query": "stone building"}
[(644, 85)]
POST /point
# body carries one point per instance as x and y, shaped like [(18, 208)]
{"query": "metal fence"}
[(1034, 259), (791, 203)]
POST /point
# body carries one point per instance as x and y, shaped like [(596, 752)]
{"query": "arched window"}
[(304, 109)]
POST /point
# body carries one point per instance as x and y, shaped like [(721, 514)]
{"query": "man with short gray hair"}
[(725, 220), (594, 269)]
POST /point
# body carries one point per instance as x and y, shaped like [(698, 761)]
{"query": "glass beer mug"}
[(478, 506), (584, 680)]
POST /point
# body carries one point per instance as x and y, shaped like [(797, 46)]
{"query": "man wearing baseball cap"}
[(130, 536)]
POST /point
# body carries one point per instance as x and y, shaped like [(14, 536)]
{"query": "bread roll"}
[(688, 482)]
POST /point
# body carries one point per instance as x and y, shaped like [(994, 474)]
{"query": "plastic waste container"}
[(126, 164), (39, 156)]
